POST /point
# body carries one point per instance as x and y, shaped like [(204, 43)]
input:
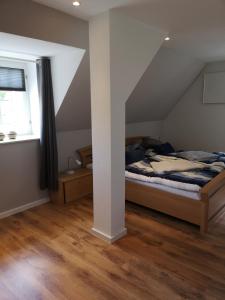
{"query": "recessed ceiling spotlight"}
[(76, 3), (167, 38)]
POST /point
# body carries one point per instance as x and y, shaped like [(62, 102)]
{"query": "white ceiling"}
[(197, 27), (88, 8)]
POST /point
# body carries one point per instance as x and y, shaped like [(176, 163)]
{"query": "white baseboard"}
[(19, 209), (109, 239)]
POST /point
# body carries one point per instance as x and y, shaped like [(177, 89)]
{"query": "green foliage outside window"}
[(3, 96)]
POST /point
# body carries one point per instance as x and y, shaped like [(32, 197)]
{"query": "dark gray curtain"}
[(48, 143)]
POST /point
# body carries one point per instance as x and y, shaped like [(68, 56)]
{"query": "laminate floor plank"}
[(49, 253)]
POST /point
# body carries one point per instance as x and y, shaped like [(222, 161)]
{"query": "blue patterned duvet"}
[(198, 176)]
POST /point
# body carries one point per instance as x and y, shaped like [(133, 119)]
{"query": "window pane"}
[(14, 112), (19, 107)]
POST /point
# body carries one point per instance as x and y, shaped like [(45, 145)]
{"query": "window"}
[(19, 107), (14, 112)]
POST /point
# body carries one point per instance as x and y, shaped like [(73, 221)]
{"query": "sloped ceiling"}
[(162, 85), (197, 30), (197, 26), (166, 79), (197, 34), (75, 111), (160, 88)]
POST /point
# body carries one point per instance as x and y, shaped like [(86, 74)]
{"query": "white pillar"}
[(121, 49)]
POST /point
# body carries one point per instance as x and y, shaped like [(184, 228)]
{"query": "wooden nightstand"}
[(73, 187)]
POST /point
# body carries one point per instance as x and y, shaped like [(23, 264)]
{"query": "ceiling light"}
[(76, 3), (167, 38)]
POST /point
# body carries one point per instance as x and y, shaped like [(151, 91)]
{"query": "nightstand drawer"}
[(78, 188), (73, 186)]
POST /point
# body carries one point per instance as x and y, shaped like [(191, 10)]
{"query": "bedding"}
[(134, 156), (197, 155), (168, 164), (149, 142), (163, 149), (162, 181), (180, 192), (159, 168)]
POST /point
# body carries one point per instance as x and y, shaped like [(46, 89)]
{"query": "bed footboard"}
[(174, 205), (213, 199)]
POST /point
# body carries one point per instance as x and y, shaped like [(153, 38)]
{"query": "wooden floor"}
[(48, 253)]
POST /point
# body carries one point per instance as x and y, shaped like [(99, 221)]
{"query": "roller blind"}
[(12, 79)]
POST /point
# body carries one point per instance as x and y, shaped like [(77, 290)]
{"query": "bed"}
[(194, 207)]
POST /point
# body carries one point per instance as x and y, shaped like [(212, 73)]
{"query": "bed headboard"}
[(85, 155), (134, 140), (86, 152)]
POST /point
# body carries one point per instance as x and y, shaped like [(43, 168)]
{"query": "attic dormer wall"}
[(194, 125)]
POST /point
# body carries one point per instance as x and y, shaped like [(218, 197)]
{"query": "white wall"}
[(194, 125), (70, 141), (64, 66), (152, 129), (19, 174)]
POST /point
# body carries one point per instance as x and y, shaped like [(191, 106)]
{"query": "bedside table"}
[(73, 187)]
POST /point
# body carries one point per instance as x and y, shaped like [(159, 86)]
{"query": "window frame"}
[(16, 64)]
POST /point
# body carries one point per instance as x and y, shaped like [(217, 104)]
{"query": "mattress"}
[(189, 194), (192, 195)]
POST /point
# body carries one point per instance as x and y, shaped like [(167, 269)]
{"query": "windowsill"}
[(20, 139)]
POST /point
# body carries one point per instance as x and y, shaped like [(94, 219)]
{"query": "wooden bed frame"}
[(212, 196)]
